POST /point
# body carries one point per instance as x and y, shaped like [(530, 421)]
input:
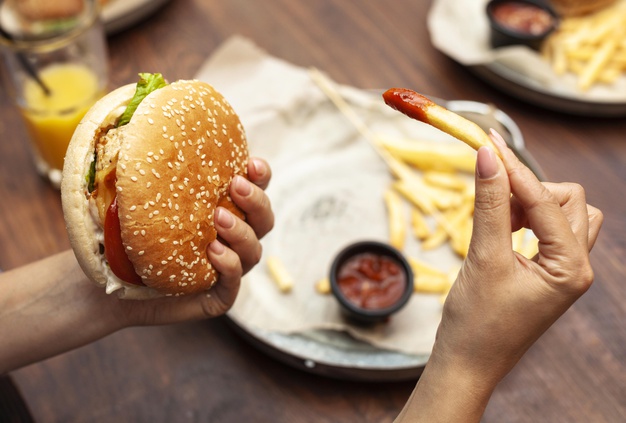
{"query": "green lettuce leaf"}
[(148, 82), (91, 176)]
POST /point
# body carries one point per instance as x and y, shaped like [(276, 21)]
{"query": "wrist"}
[(448, 391)]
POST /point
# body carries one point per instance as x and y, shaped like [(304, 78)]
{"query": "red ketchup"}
[(371, 281), (523, 18)]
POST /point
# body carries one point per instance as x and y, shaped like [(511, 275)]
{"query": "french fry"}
[(530, 248), (420, 267), (517, 239), (322, 286), (446, 180), (525, 243), (428, 155), (419, 225), (413, 193), (428, 280), (461, 241), (455, 218), (598, 61), (431, 284), (279, 273), (438, 198), (592, 47), (397, 225), (418, 107)]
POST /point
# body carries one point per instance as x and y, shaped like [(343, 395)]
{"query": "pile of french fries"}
[(434, 179), (593, 47)]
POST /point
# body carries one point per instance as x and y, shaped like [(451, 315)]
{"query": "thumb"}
[(492, 209)]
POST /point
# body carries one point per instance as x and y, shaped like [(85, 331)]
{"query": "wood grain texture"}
[(204, 372)]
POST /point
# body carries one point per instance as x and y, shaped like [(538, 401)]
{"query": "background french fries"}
[(397, 221), (427, 155), (280, 274), (593, 47)]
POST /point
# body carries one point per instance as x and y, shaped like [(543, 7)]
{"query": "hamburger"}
[(143, 175)]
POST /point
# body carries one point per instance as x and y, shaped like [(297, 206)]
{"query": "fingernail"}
[(259, 167), (217, 248), (497, 138), (242, 186), (224, 218), (486, 163)]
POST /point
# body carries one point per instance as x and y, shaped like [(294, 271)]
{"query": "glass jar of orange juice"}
[(56, 62)]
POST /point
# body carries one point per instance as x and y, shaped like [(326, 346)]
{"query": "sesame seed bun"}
[(178, 155)]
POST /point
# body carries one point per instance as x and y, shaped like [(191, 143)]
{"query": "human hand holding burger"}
[(233, 257), (50, 306), (147, 172)]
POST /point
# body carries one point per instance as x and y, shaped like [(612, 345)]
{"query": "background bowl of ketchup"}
[(525, 22), (371, 280)]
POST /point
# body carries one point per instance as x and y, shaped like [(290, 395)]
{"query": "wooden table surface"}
[(204, 371)]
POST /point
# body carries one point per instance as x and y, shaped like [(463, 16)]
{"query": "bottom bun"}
[(84, 233)]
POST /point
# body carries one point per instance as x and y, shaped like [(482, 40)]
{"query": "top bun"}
[(179, 154)]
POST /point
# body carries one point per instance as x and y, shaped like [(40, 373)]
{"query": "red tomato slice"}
[(114, 249)]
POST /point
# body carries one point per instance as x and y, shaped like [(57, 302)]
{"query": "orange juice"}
[(52, 119)]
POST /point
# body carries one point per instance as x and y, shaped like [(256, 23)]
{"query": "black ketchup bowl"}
[(521, 22), (371, 281)]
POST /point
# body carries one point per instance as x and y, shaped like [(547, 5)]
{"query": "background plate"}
[(118, 15), (503, 78)]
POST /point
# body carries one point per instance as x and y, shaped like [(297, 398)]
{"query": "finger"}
[(595, 223), (224, 292), (239, 236), (571, 198), (543, 212), (254, 203), (492, 227), (259, 172)]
